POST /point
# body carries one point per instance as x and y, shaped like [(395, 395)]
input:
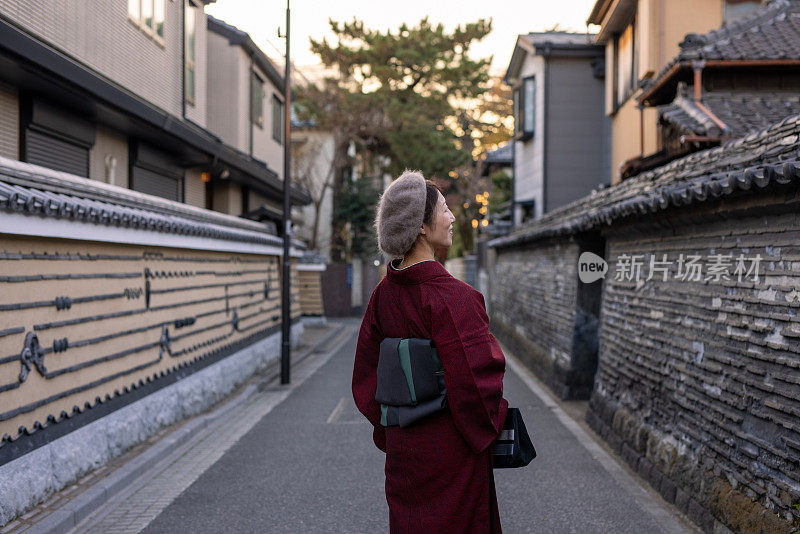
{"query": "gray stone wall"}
[(697, 384), (697, 381), (533, 297)]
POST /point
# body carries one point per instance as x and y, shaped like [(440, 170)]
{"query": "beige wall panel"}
[(265, 147), (9, 122), (114, 147), (625, 144), (310, 292), (119, 351), (194, 189), (101, 36), (228, 198), (706, 15), (223, 96)]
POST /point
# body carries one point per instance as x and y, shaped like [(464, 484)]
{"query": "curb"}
[(71, 514)]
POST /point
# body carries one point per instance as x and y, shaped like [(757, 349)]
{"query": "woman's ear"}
[(422, 230)]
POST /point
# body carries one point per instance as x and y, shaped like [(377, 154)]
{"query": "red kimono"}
[(439, 474)]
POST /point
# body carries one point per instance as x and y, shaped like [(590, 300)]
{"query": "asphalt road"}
[(309, 465)]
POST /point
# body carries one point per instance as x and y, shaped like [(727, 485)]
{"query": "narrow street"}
[(301, 459)]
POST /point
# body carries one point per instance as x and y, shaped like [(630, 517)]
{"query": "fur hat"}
[(400, 213)]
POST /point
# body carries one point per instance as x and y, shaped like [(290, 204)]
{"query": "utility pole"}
[(287, 215)]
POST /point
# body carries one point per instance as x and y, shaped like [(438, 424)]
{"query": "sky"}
[(309, 18)]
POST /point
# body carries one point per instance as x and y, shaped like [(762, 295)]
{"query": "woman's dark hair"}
[(431, 198)]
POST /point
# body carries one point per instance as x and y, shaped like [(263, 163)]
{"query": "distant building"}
[(313, 152), (500, 159), (124, 92), (726, 84), (640, 38), (560, 129)]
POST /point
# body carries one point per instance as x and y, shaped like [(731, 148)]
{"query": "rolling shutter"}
[(153, 183), (56, 137), (54, 153)]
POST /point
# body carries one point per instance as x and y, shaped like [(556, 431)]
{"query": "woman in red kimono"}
[(439, 474)]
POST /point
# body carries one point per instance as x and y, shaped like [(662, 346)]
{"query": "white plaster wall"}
[(530, 154)]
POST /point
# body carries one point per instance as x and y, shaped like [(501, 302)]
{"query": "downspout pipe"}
[(548, 47), (250, 103)]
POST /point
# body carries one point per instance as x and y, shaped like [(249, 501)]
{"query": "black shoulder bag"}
[(513, 447)]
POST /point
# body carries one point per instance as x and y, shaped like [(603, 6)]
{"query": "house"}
[(313, 153), (557, 79), (641, 37), (726, 84), (122, 92), (245, 109), (499, 160)]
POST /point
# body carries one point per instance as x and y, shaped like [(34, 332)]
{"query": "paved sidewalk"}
[(301, 459)]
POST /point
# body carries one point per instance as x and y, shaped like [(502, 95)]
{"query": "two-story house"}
[(245, 108), (727, 83), (641, 37), (122, 91), (560, 130)]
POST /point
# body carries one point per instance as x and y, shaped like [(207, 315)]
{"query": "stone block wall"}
[(698, 385), (533, 299)]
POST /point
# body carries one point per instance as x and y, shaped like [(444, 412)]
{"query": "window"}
[(149, 15), (529, 97), (277, 119), (736, 9), (189, 31), (256, 100), (625, 64), (525, 108)]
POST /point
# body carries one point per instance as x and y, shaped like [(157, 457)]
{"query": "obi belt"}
[(410, 381)]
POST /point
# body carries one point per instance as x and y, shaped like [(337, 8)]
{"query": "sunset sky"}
[(261, 20)]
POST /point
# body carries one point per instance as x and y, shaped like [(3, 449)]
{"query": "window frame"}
[(522, 130), (257, 95), (189, 64), (278, 133), (150, 30), (628, 87), (529, 130)]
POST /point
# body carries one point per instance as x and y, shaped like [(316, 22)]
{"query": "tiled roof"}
[(561, 38), (771, 33), (764, 159), (742, 112), (502, 154), (36, 191)]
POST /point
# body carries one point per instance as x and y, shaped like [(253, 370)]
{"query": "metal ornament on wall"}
[(32, 354)]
